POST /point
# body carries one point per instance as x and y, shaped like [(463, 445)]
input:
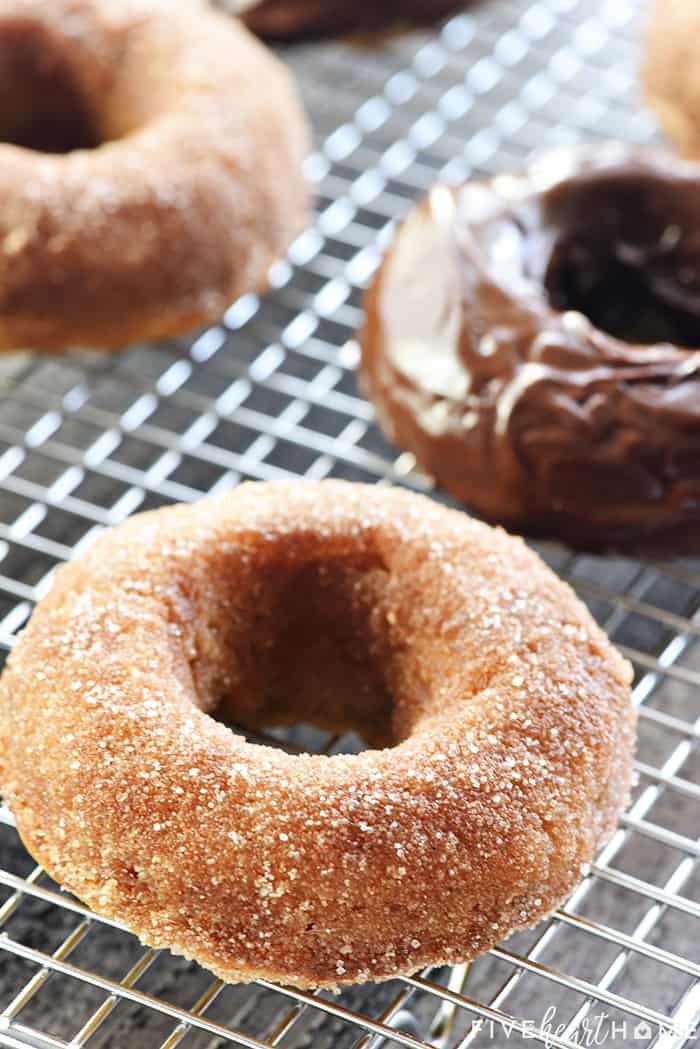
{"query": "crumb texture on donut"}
[(498, 713), (532, 340), (151, 168)]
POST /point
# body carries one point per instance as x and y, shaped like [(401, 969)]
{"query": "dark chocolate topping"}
[(530, 339), (286, 19)]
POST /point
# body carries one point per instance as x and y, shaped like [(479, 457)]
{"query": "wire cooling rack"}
[(86, 439)]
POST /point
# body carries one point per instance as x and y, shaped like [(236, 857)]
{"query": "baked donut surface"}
[(289, 19), (531, 340), (151, 169), (671, 71), (498, 713)]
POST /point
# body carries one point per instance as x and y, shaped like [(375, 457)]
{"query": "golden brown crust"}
[(508, 733), (671, 71), (196, 189)]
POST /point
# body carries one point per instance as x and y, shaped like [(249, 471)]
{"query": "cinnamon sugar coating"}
[(499, 716), (165, 174), (671, 71)]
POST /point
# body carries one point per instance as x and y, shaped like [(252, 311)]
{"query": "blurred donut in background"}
[(290, 19)]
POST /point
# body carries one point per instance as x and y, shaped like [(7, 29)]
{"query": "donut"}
[(151, 169), (498, 716), (671, 71), (530, 340), (289, 19)]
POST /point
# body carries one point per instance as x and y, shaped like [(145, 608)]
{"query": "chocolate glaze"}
[(287, 19), (530, 339)]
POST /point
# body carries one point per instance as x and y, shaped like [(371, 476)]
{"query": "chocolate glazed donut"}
[(287, 19), (532, 341)]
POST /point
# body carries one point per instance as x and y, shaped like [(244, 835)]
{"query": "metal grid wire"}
[(86, 439)]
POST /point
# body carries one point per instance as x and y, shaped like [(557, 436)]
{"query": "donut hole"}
[(622, 252), (42, 104), (304, 644)]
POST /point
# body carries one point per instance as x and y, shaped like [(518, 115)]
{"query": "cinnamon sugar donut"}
[(532, 339), (151, 168), (498, 713), (289, 19), (671, 71)]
